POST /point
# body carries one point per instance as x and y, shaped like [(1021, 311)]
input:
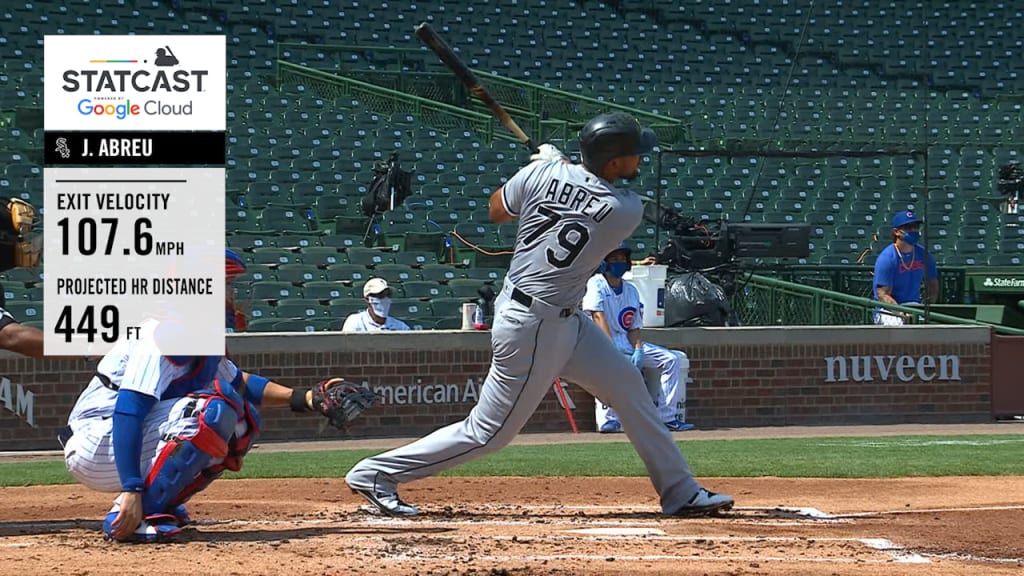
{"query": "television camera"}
[(703, 245), (704, 258)]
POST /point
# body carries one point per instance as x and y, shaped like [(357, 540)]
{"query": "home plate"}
[(619, 531)]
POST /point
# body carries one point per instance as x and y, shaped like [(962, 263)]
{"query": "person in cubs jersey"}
[(157, 429), (614, 305), (570, 217)]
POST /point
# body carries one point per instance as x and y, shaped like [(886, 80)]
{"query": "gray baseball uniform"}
[(569, 220)]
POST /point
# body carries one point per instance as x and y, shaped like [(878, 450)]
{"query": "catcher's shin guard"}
[(187, 465)]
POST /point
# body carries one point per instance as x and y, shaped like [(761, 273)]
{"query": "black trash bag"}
[(390, 187), (693, 300)]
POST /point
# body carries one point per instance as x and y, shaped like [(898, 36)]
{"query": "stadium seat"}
[(326, 290), (262, 325), (299, 273), (299, 308), (448, 306), (423, 289), (274, 256), (439, 272), (464, 287), (415, 258), (322, 256), (347, 273), (396, 273), (341, 308), (408, 308), (367, 256), (275, 290)]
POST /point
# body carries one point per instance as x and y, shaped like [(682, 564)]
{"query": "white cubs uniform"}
[(569, 219), (136, 365), (624, 312), (363, 322)]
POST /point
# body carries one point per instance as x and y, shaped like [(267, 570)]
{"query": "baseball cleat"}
[(388, 504), (704, 503), (678, 425), (611, 427), (156, 528)]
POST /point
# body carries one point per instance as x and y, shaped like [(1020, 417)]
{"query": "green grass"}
[(875, 457)]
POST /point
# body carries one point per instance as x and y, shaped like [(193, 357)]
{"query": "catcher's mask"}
[(20, 246)]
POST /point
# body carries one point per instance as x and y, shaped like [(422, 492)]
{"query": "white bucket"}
[(650, 283)]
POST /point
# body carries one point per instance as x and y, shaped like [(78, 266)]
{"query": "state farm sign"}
[(885, 367)]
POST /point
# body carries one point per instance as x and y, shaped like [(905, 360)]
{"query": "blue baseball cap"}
[(901, 219)]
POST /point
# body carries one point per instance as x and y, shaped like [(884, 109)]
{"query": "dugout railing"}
[(765, 301)]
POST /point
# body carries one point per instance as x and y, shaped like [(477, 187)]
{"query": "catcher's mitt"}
[(341, 402)]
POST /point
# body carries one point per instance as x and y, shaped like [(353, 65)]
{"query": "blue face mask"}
[(616, 269), (911, 237)]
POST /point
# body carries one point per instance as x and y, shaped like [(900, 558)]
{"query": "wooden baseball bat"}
[(427, 35)]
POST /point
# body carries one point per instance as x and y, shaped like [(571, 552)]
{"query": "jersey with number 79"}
[(569, 220)]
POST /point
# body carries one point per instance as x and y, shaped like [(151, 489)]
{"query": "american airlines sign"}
[(886, 367)]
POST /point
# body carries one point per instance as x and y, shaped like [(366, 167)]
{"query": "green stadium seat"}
[(367, 256), (407, 308), (259, 311), (299, 273), (300, 308), (487, 274), (295, 325), (347, 273), (396, 273), (24, 310), (328, 208), (295, 241), (448, 323), (274, 256), (275, 290), (476, 233), (322, 256), (247, 240), (326, 290), (432, 242), (448, 306), (262, 325), (464, 287), (464, 203), (351, 225), (423, 289), (439, 272), (341, 308), (284, 218), (343, 241), (259, 194), (415, 258)]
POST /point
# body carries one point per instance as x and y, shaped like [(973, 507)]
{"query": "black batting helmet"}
[(608, 136)]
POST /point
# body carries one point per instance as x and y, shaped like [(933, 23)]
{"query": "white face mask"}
[(380, 306)]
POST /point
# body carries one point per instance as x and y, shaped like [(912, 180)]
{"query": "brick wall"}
[(741, 377)]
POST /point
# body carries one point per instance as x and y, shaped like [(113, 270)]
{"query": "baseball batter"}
[(570, 217), (614, 304), (158, 429)]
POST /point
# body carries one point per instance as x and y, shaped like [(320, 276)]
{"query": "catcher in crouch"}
[(159, 429)]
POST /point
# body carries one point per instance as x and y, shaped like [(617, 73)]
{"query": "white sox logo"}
[(627, 316)]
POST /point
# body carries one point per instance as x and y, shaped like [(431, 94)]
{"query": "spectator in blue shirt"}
[(900, 269)]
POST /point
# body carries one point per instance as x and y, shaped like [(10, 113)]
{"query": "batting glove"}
[(547, 153), (637, 359)]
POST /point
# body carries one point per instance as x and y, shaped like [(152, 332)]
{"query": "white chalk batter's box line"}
[(896, 552)]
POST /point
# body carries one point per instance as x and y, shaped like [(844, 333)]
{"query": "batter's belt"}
[(539, 305)]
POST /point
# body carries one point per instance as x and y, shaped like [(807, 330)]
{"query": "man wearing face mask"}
[(614, 305), (900, 269), (375, 318)]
